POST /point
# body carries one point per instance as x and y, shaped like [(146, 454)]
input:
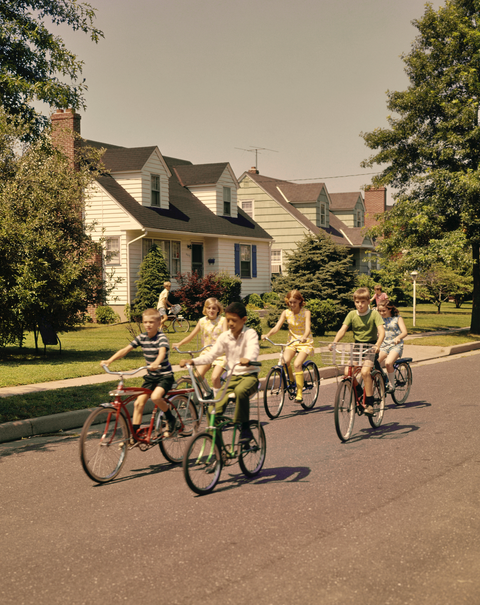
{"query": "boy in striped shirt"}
[(159, 378)]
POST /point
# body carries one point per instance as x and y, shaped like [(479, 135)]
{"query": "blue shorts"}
[(152, 382), (393, 347)]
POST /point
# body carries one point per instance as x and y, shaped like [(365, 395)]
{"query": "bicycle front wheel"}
[(403, 383), (202, 463), (181, 325), (311, 385), (252, 455), (344, 410), (173, 447), (104, 444), (274, 393), (378, 400)]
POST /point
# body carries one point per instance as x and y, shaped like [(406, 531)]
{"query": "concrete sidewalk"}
[(12, 431)]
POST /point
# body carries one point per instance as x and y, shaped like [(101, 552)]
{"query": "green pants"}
[(243, 386)]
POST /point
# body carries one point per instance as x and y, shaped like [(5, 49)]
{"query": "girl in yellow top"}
[(299, 322), (210, 328)]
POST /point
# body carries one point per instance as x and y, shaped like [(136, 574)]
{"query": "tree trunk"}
[(475, 321)]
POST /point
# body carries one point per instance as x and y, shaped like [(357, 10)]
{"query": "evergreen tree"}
[(431, 151), (152, 275), (319, 269)]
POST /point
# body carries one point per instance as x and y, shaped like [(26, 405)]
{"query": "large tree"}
[(431, 151), (35, 64), (47, 273)]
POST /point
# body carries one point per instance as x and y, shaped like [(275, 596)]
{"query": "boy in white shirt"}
[(240, 346)]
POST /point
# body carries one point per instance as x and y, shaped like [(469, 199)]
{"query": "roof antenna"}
[(256, 150)]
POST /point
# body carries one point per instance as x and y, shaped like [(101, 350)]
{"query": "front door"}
[(197, 259)]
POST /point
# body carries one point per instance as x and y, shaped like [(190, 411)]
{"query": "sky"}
[(211, 80)]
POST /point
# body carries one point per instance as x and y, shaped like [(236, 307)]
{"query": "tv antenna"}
[(255, 150)]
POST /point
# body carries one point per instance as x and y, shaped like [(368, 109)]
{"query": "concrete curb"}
[(65, 421)]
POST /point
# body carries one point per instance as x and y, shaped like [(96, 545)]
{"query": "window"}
[(175, 268), (155, 189), (168, 248), (276, 261), (323, 215), (245, 260), (112, 251), (247, 207), (227, 201), (359, 218)]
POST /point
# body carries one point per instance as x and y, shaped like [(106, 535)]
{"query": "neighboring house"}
[(287, 211), (190, 211)]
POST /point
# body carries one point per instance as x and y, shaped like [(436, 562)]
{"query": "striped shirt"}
[(150, 348)]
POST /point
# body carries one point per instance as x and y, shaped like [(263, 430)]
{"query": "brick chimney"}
[(64, 123), (253, 170), (375, 203)]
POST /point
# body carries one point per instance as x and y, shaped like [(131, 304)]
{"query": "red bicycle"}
[(107, 434)]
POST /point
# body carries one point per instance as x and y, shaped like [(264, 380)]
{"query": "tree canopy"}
[(47, 269), (431, 151), (35, 64), (153, 273)]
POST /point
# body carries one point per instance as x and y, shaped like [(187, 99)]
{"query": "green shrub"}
[(271, 298), (106, 315), (253, 299), (253, 321), (273, 317), (232, 286), (324, 315)]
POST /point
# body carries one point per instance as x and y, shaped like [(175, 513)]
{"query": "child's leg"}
[(299, 378), (216, 374), (288, 356), (367, 379), (243, 387), (138, 406)]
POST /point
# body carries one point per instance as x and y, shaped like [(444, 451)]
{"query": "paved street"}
[(392, 517)]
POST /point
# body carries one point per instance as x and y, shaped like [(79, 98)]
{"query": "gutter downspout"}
[(128, 264)]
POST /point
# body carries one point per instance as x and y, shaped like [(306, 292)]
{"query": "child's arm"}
[(380, 337), (188, 338), (308, 326), (162, 352), (341, 333), (275, 329), (252, 348), (117, 355), (404, 332)]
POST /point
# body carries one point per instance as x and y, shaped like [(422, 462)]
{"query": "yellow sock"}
[(299, 379)]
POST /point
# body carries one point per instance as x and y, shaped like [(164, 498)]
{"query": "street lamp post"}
[(414, 277)]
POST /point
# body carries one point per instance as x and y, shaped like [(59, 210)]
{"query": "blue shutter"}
[(254, 261), (237, 259)]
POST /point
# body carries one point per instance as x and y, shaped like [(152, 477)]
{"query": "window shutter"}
[(254, 261), (237, 259)]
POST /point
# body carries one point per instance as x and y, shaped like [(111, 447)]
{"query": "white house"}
[(190, 211)]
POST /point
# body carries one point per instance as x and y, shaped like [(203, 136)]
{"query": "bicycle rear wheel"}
[(403, 383), (274, 393), (252, 455), (344, 410), (378, 400), (311, 385), (181, 325), (104, 444), (202, 463), (173, 447)]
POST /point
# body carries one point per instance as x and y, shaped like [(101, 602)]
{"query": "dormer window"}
[(323, 215), (155, 190), (227, 201)]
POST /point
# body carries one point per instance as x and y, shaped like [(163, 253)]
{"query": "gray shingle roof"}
[(344, 201), (199, 174)]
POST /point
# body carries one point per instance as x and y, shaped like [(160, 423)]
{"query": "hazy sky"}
[(201, 78)]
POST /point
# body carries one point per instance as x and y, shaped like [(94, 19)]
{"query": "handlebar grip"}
[(256, 363)]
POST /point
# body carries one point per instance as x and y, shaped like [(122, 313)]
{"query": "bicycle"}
[(176, 321), (350, 395), (107, 434), (278, 383), (403, 379), (218, 445)]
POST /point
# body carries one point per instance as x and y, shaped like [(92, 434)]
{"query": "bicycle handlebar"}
[(105, 367), (279, 344), (191, 353)]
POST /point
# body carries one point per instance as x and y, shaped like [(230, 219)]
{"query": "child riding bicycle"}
[(159, 378), (240, 346), (368, 328)]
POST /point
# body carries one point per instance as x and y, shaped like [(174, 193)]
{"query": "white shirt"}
[(245, 346)]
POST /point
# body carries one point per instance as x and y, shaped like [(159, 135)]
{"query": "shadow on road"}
[(392, 430)]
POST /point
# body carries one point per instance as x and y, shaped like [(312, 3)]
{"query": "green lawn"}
[(84, 348)]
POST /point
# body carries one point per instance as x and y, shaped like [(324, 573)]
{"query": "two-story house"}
[(287, 211), (190, 211)]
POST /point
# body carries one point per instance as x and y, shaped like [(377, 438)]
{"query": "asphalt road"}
[(391, 517)]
